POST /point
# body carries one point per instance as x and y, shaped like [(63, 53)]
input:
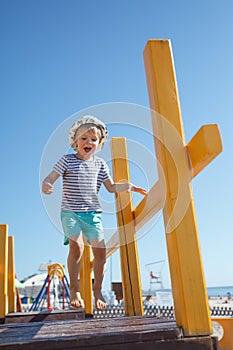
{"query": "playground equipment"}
[(180, 163), (155, 274), (56, 274)]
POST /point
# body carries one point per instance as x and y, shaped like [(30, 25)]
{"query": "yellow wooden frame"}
[(187, 276)]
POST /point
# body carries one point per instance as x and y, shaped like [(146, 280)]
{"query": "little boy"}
[(83, 173)]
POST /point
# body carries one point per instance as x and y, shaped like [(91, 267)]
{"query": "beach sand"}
[(221, 302)]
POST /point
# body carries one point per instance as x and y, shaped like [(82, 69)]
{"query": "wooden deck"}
[(131, 333)]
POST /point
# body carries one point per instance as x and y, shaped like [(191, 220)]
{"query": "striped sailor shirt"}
[(81, 182)]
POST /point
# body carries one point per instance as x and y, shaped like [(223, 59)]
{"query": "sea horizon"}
[(213, 291)]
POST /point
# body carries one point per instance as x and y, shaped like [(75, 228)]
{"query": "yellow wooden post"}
[(3, 269), (87, 279), (81, 277), (132, 290), (11, 275), (188, 283)]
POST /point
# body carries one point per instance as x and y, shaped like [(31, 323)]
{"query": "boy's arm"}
[(114, 187), (47, 184)]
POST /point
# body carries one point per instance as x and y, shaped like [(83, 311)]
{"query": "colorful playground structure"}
[(180, 163), (56, 272)]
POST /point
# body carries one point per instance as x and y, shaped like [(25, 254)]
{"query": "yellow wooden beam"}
[(85, 279), (145, 210), (3, 269), (187, 277), (205, 145), (81, 277), (11, 275), (127, 234), (149, 205)]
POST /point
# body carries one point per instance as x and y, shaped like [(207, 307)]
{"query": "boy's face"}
[(87, 141)]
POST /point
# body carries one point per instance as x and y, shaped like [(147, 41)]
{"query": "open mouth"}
[(87, 149)]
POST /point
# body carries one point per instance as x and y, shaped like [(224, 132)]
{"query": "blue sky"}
[(60, 57)]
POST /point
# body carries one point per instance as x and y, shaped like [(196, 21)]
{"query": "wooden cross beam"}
[(205, 145), (180, 163)]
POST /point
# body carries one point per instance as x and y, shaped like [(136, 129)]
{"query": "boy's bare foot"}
[(100, 303), (76, 300)]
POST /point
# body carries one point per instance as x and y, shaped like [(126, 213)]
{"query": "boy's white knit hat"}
[(88, 119)]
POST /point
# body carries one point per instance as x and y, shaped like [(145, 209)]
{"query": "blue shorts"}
[(89, 223)]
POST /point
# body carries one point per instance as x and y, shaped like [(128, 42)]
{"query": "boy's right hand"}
[(47, 188)]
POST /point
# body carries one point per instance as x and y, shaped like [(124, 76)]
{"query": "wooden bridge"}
[(180, 162)]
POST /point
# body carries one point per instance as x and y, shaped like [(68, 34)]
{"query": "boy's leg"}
[(73, 263), (99, 252)]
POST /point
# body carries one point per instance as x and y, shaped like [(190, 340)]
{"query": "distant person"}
[(82, 174)]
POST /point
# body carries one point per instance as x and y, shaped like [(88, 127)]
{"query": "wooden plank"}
[(3, 269), (131, 281), (201, 343), (205, 145), (119, 333), (187, 276), (89, 328), (45, 316)]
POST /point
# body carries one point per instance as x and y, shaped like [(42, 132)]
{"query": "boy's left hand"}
[(139, 190)]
